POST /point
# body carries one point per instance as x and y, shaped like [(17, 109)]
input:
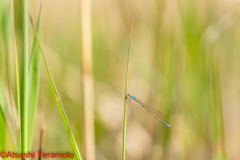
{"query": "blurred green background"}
[(184, 61)]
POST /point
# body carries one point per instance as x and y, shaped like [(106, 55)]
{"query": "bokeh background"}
[(184, 61)]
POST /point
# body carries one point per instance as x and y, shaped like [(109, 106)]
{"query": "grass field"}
[(184, 61)]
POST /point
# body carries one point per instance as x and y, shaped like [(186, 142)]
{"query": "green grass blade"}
[(33, 85), (24, 80), (3, 99), (6, 34), (17, 77), (62, 111), (216, 111), (8, 65), (2, 92), (7, 143), (17, 87), (125, 103), (18, 92)]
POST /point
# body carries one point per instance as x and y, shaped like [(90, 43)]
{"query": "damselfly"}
[(150, 109)]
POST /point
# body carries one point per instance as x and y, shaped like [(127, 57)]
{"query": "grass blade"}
[(60, 106), (33, 84), (18, 92), (24, 80), (3, 98), (216, 110), (125, 103), (7, 143), (8, 65), (17, 77)]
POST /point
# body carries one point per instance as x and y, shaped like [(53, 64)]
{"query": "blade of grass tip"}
[(24, 81), (125, 104), (60, 106), (7, 143), (33, 84)]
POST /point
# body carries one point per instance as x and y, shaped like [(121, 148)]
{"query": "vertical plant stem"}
[(41, 140), (217, 113), (17, 77), (24, 82), (125, 103), (87, 82)]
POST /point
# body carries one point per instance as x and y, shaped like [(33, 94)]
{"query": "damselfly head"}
[(128, 98)]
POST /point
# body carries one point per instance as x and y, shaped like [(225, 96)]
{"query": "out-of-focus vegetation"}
[(184, 62)]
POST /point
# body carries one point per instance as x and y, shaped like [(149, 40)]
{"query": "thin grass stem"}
[(87, 82), (41, 140), (17, 77), (24, 82), (125, 102)]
